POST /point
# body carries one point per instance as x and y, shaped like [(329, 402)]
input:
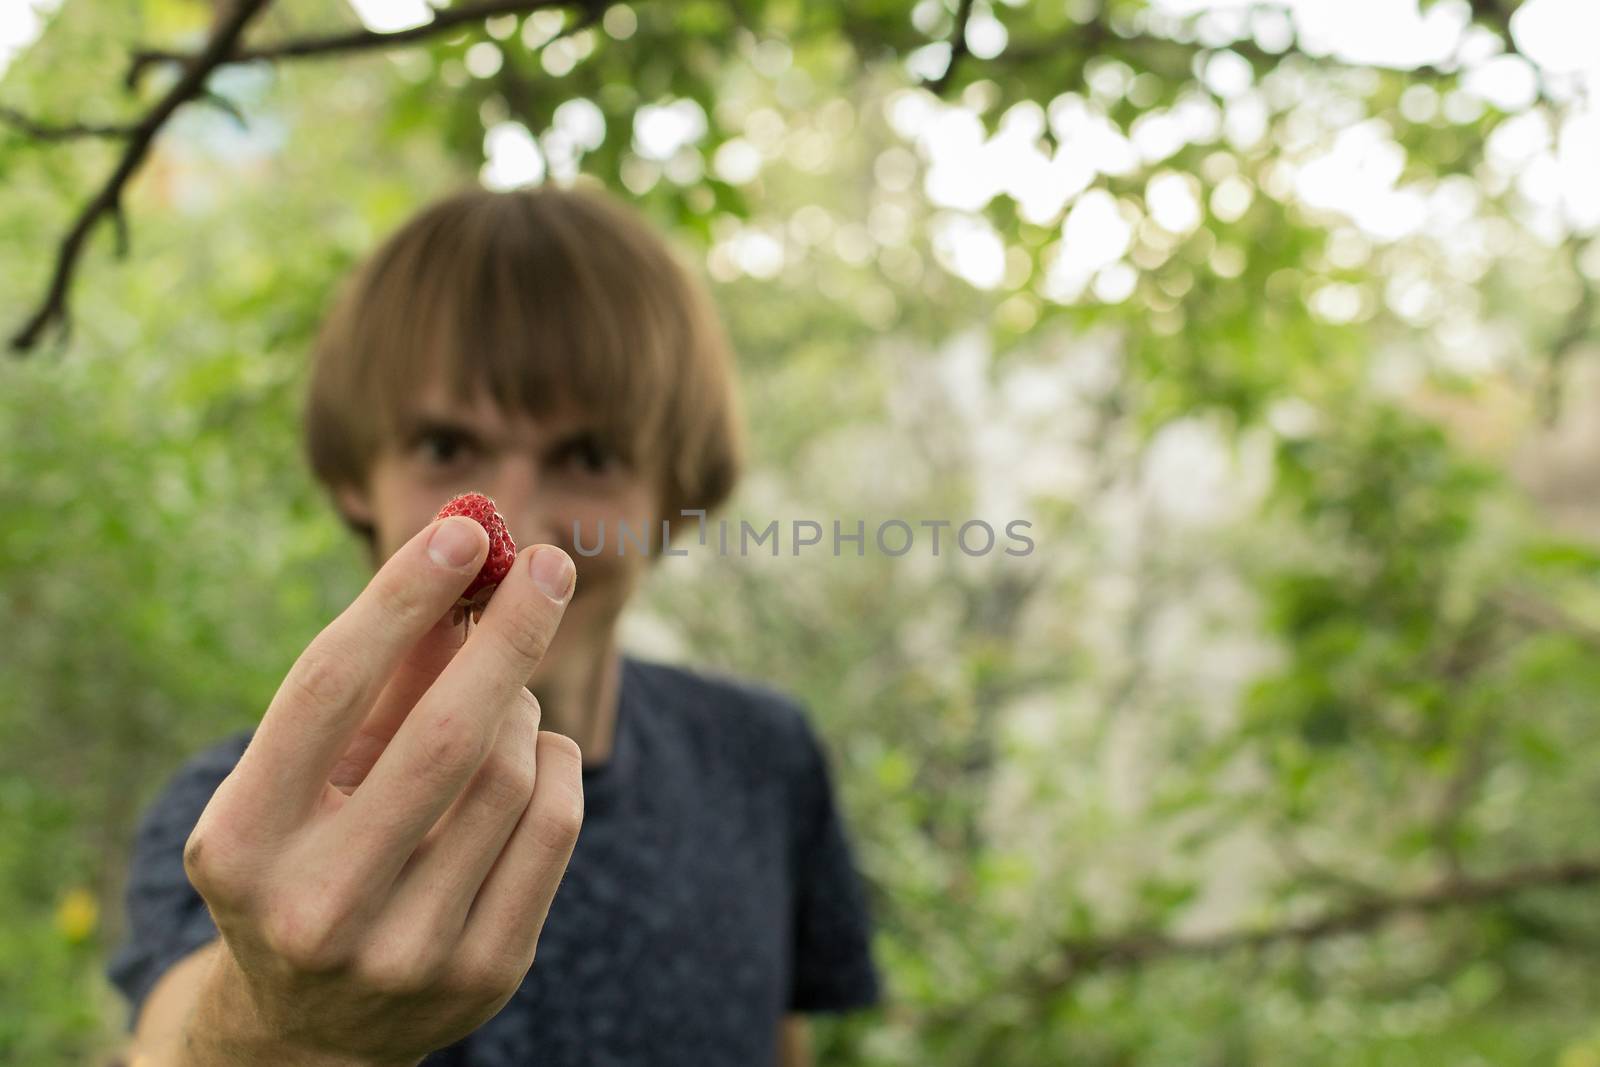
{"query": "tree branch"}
[(1134, 949), (958, 50), (1536, 611), (46, 131), (108, 201), (224, 47), (1074, 958), (444, 20)]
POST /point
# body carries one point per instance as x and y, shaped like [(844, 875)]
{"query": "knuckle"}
[(451, 747), (325, 676), (201, 864), (506, 783), (194, 854), (528, 708), (198, 864), (213, 863), (405, 599), (486, 981), (559, 819), (526, 640), (562, 750), (306, 938), (403, 970), (519, 730)]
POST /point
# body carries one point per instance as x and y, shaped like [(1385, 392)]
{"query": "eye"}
[(442, 445), (589, 452)]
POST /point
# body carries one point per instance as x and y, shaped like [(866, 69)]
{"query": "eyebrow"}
[(413, 424)]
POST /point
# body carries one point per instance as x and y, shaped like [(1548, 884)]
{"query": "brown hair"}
[(542, 296)]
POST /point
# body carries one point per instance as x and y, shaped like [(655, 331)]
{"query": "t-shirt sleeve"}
[(833, 964), (166, 918)]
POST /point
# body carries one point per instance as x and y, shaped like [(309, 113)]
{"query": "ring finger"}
[(436, 887)]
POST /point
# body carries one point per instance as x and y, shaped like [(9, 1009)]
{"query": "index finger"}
[(332, 685)]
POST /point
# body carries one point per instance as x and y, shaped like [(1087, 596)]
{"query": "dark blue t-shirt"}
[(712, 890)]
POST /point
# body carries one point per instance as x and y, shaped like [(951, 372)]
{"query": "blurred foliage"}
[(1292, 639)]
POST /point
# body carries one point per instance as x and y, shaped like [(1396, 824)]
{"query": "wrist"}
[(224, 1029)]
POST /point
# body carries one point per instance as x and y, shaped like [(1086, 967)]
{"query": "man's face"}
[(547, 477)]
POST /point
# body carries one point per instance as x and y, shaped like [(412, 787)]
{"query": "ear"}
[(354, 504)]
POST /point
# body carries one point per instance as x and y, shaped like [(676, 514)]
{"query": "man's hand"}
[(381, 860)]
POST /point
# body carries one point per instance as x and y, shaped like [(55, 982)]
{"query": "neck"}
[(579, 699)]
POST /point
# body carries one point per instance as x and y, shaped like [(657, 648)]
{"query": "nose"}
[(527, 511)]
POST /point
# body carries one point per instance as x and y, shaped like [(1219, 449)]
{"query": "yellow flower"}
[(77, 915)]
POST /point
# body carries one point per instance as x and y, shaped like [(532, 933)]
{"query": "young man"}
[(382, 853)]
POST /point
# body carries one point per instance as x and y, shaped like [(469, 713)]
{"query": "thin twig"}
[(48, 131), (226, 106), (344, 43), (108, 201)]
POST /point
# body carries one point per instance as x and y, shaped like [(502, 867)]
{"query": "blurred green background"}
[(1277, 321)]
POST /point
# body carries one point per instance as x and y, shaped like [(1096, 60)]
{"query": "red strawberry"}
[(502, 549)]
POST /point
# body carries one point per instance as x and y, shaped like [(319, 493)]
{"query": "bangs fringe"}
[(519, 309)]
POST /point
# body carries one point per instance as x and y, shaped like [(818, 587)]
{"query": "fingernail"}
[(454, 543), (552, 571)]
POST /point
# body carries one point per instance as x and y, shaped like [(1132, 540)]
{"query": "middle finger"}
[(445, 738)]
